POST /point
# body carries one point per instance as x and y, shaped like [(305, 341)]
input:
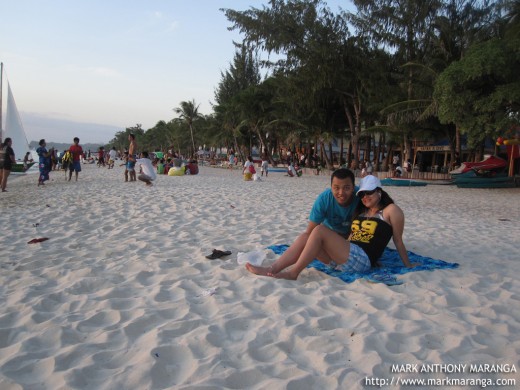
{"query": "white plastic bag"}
[(255, 257)]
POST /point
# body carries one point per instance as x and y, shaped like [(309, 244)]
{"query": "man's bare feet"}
[(262, 271)]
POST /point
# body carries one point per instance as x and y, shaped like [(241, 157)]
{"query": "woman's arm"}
[(395, 217)]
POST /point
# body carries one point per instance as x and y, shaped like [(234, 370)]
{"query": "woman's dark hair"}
[(343, 173), (250, 158), (385, 201), (42, 141), (132, 135), (8, 139)]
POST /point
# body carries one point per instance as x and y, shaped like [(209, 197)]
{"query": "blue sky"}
[(92, 68)]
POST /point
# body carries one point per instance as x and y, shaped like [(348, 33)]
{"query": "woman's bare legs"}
[(289, 257), (323, 244), (5, 175)]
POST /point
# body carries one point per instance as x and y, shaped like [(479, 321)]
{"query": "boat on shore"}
[(484, 179), (14, 129), (489, 163), (488, 173), (390, 181)]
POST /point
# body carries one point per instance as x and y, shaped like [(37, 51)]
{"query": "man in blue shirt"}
[(333, 208)]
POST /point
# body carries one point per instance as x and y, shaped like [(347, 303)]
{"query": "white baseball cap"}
[(369, 183)]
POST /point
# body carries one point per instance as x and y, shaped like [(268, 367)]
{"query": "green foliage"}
[(120, 141), (189, 113), (481, 92)]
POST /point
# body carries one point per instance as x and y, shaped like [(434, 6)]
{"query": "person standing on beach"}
[(132, 149), (333, 209), (247, 164), (26, 160), (101, 156), (112, 157), (232, 159), (376, 220), (148, 171), (7, 159), (66, 161), (44, 162), (77, 151), (125, 164), (264, 167)]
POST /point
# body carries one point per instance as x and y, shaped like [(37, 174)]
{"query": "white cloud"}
[(173, 26)]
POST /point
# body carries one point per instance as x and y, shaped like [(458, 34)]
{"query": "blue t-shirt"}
[(328, 212)]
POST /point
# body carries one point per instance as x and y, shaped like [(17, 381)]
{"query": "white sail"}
[(14, 128)]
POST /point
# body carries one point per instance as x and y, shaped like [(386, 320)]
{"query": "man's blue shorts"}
[(75, 166)]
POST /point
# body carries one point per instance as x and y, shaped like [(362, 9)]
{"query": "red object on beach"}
[(37, 240), (488, 164), (193, 167)]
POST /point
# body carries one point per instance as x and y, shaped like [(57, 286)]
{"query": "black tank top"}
[(372, 234)]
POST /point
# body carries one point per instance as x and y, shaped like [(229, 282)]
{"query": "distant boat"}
[(13, 127)]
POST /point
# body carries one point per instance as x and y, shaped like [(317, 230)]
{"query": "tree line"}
[(390, 74)]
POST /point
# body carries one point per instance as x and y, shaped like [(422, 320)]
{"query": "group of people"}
[(349, 227), (71, 160), (249, 170), (294, 170)]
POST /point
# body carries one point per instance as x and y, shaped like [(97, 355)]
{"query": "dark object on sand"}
[(217, 254)]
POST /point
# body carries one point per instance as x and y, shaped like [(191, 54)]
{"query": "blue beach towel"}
[(391, 265)]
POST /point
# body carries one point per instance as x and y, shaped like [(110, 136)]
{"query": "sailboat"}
[(13, 127)]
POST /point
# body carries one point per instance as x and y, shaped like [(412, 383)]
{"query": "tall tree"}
[(313, 51), (242, 74), (404, 27), (189, 112)]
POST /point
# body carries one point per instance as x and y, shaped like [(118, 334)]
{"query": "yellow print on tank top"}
[(364, 231)]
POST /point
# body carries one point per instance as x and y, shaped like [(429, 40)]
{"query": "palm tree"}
[(189, 112)]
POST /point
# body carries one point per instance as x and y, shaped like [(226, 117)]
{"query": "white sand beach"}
[(121, 295)]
